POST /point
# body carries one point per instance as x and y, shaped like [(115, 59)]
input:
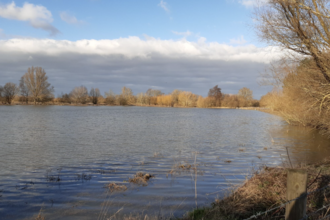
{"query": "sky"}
[(161, 44)]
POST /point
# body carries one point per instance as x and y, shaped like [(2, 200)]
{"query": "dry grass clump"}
[(184, 166), (39, 216), (266, 190), (141, 178), (140, 217), (180, 167), (262, 191), (115, 187)]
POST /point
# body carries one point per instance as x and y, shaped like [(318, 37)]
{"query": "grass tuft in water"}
[(141, 178)]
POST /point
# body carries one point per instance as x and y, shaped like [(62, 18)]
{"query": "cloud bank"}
[(137, 63), (38, 16)]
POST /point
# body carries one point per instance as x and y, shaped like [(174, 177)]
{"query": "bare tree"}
[(110, 97), (9, 92), (187, 99), (79, 94), (175, 97), (143, 99), (24, 91), (302, 26), (216, 94), (64, 98), (94, 94), (246, 93), (153, 92), (126, 97), (37, 84)]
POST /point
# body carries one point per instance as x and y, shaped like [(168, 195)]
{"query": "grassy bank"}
[(266, 190)]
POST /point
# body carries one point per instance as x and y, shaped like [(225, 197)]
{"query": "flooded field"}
[(61, 159)]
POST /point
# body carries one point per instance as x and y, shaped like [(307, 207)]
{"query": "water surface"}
[(111, 144)]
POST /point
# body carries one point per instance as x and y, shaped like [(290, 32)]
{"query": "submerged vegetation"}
[(115, 187), (141, 178)]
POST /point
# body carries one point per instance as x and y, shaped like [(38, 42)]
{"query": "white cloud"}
[(132, 47), (163, 4), (238, 41), (251, 3), (38, 16), (184, 34), (70, 19), (140, 63)]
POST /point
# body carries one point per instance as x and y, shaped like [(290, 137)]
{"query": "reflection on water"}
[(59, 158)]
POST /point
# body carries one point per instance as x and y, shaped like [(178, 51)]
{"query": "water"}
[(111, 144)]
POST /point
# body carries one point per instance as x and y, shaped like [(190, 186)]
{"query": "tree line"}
[(34, 87), (154, 97)]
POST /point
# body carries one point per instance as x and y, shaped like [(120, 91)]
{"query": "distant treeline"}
[(34, 87)]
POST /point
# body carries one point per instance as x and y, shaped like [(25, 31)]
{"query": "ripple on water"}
[(59, 158)]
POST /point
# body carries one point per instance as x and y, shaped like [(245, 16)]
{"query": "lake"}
[(58, 159)]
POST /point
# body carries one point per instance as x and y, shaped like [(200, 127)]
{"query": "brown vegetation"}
[(115, 187), (141, 178), (301, 93), (266, 190), (301, 96)]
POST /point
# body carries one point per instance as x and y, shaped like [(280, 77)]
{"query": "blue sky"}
[(134, 43), (219, 21)]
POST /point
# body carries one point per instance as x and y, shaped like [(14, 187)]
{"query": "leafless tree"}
[(24, 91), (94, 94), (36, 81), (64, 98), (153, 92), (79, 94), (187, 99), (246, 93), (175, 97), (216, 94), (143, 99), (110, 97), (126, 97), (302, 26), (9, 92)]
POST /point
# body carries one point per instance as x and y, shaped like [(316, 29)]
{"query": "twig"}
[(314, 179), (287, 151), (116, 213)]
